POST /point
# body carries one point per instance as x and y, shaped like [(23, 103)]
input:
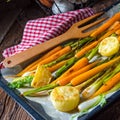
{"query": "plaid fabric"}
[(42, 29)]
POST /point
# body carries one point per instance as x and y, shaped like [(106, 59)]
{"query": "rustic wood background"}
[(9, 109)]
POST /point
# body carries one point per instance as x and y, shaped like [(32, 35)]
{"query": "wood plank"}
[(10, 110), (7, 19)]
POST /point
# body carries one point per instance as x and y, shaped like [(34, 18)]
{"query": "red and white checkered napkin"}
[(42, 29)]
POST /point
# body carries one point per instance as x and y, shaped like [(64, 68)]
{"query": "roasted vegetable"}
[(100, 100), (42, 77), (21, 82), (65, 98), (109, 46)]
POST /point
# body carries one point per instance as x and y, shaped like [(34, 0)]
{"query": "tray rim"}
[(22, 101)]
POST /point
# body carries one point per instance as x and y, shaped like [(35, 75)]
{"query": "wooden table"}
[(9, 109)]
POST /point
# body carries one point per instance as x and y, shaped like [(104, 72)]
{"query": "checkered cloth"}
[(42, 29)]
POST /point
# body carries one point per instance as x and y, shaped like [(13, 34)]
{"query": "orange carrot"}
[(78, 65), (56, 66), (53, 57), (93, 44), (28, 68), (110, 32), (108, 85), (86, 49), (67, 79), (118, 32), (86, 75), (119, 38), (106, 25), (115, 24)]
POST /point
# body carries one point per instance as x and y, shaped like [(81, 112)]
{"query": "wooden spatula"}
[(74, 32)]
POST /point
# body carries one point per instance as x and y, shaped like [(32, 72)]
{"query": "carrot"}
[(54, 56), (119, 38), (93, 44), (67, 79), (110, 32), (116, 23), (28, 68), (78, 65), (108, 85), (118, 32), (56, 66), (86, 49), (106, 25), (86, 75)]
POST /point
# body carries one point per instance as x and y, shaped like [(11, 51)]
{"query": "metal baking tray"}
[(34, 108)]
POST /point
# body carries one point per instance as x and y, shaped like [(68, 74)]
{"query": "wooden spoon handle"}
[(34, 51)]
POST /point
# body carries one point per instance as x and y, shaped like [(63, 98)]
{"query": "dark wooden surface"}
[(9, 109)]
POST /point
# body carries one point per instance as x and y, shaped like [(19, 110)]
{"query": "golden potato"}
[(65, 98), (42, 77)]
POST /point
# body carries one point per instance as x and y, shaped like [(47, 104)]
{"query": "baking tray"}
[(35, 109)]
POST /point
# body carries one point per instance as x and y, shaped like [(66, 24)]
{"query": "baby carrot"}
[(53, 57), (106, 25), (28, 68), (78, 65), (67, 79), (116, 23), (118, 32), (108, 85), (86, 75), (93, 44), (108, 33), (56, 66), (119, 38), (56, 55), (86, 49)]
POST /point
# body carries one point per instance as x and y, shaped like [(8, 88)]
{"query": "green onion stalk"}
[(90, 90), (86, 83), (63, 57), (36, 90), (65, 67), (93, 52), (81, 42), (87, 106), (100, 100), (72, 61)]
